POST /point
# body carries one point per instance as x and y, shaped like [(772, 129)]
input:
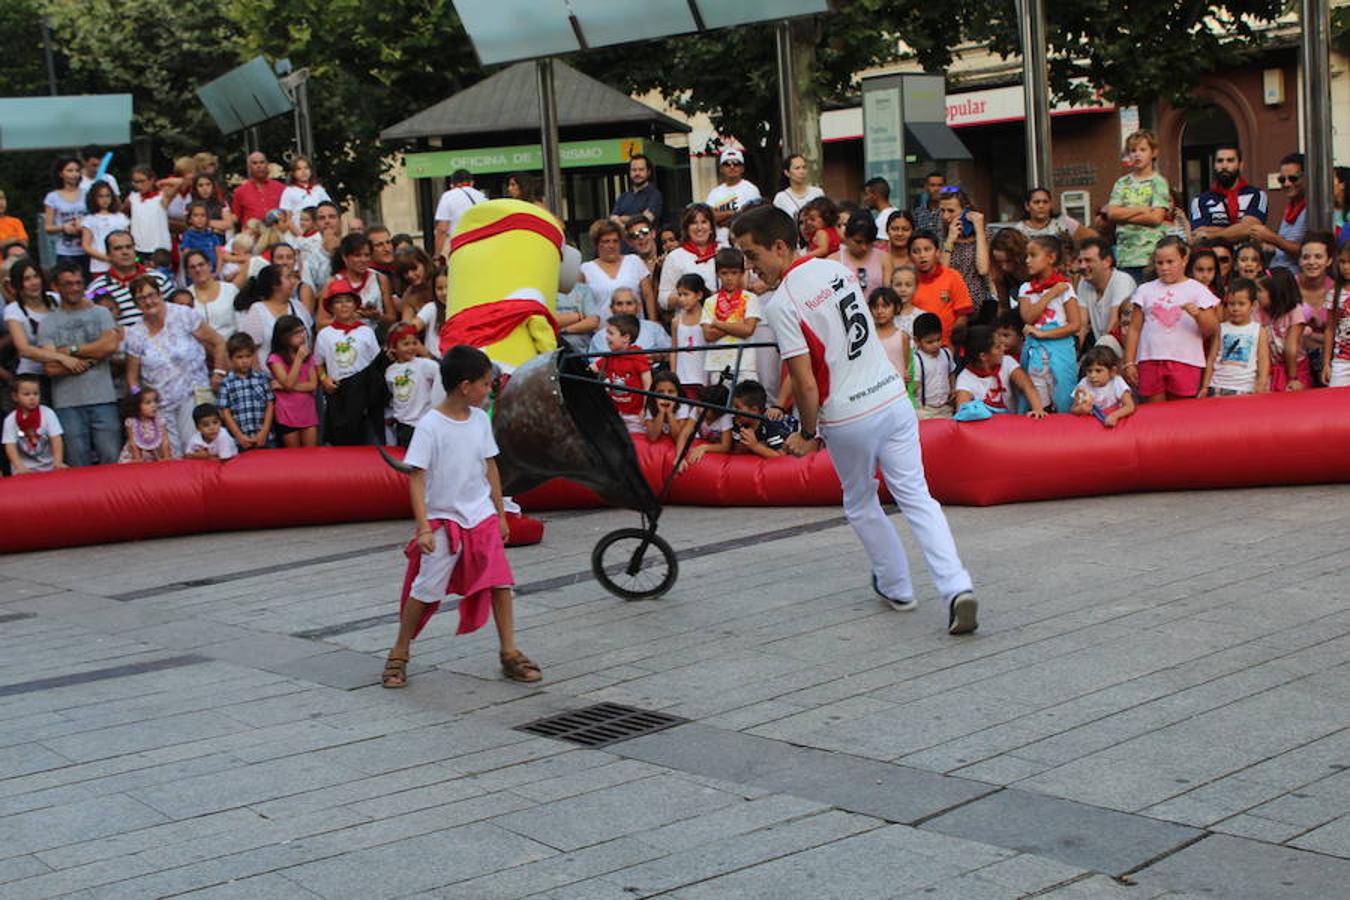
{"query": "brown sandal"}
[(395, 672), (518, 667)]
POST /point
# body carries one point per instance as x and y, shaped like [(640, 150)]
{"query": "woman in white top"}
[(797, 193), (267, 298), (612, 268), (103, 220), (213, 298), (23, 316), (302, 191), (303, 302), (694, 255)]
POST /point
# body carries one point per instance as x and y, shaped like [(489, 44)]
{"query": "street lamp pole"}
[(1315, 54), (1036, 92)]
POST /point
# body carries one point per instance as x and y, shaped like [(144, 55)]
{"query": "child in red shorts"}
[(1174, 316)]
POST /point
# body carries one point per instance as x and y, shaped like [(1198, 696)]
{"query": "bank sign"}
[(529, 157)]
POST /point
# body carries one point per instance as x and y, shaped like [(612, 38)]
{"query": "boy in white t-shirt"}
[(930, 370), (211, 441), (730, 316), (990, 375), (411, 379), (1102, 392), (32, 433), (346, 353), (461, 521)]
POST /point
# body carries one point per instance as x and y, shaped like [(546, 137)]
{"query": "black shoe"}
[(961, 615), (899, 605)]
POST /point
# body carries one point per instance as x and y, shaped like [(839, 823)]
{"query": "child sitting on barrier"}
[(666, 418), (764, 439), (1102, 392), (711, 426), (984, 384), (32, 432)]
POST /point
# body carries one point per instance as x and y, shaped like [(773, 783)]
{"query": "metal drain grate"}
[(604, 723)]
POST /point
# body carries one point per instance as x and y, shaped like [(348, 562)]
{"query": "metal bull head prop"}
[(551, 426)]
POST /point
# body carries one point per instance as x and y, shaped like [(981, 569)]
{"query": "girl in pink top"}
[(1165, 347), (1282, 312), (292, 368), (1316, 293)]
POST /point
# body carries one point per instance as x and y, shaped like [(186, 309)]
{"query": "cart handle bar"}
[(678, 399), (747, 345)]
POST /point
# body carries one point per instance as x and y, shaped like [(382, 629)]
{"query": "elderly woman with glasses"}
[(167, 351)]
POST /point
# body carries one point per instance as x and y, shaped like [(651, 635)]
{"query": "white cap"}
[(731, 154)]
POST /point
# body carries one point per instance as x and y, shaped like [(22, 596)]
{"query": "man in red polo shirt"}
[(258, 196)]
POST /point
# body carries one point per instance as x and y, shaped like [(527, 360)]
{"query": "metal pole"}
[(1036, 91), (548, 134), (789, 109), (47, 52), (1315, 55), (304, 129)]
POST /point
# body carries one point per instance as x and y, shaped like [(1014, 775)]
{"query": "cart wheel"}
[(634, 564)]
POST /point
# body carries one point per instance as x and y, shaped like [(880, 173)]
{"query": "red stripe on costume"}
[(513, 222), (488, 323), (819, 368)]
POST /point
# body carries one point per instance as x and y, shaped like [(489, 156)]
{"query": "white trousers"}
[(889, 438)]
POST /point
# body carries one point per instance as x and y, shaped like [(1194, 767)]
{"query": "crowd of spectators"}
[(186, 319)]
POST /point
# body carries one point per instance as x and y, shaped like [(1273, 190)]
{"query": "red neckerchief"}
[(1292, 211), (305, 186), (1041, 286), (701, 256), (984, 373), (30, 423), (310, 233), (150, 195), (728, 306), (347, 327), (139, 271), (930, 277), (1230, 197)]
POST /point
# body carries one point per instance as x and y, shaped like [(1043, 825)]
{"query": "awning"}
[(49, 123), (937, 140)]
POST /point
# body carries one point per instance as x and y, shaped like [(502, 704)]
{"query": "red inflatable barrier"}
[(1299, 438)]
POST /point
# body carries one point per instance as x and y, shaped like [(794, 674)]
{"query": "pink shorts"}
[(1176, 379)]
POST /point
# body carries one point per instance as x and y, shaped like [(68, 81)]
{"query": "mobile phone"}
[(967, 229)]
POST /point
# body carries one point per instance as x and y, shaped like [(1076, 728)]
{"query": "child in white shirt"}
[(931, 367), (347, 355), (411, 379), (32, 433), (1102, 392), (211, 441), (989, 375)]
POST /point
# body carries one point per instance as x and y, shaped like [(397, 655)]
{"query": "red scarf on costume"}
[(1040, 286), (730, 308), (30, 423), (1292, 211), (701, 256), (1230, 198), (488, 323), (930, 277)]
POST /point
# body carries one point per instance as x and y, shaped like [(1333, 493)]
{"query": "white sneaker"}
[(899, 605)]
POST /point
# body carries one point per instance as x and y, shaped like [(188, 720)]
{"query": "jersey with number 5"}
[(819, 309)]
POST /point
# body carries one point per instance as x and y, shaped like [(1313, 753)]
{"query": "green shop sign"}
[(529, 157)]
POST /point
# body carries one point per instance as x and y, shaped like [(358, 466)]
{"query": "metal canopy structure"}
[(509, 102), (50, 123), (245, 96), (511, 30)]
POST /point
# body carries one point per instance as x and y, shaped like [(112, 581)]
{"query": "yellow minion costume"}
[(503, 282)]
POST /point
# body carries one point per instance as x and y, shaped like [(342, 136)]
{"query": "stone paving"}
[(1156, 705)]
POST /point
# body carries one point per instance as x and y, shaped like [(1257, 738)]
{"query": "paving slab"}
[(1239, 869)]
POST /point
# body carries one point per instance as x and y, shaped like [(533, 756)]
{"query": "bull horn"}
[(395, 464)]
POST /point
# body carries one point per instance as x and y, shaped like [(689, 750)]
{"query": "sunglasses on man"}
[(639, 232), (1290, 179)]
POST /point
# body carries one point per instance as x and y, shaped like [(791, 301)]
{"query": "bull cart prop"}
[(554, 419)]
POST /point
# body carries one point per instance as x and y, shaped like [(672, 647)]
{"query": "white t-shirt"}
[(101, 225), (880, 217), (37, 458), (220, 313), (453, 454), (455, 202), (631, 272), (791, 204), (30, 320), (86, 183), (991, 389), (1119, 288), (431, 338), (410, 387), (1108, 395), (1235, 365), (1053, 316), (738, 194), (223, 446), (296, 198), (819, 310), (345, 353), (934, 374), (717, 360), (680, 262), (149, 223)]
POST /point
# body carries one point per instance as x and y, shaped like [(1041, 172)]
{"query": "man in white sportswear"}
[(842, 378)]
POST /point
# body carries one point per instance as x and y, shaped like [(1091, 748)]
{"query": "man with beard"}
[(1231, 208), (641, 201)]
